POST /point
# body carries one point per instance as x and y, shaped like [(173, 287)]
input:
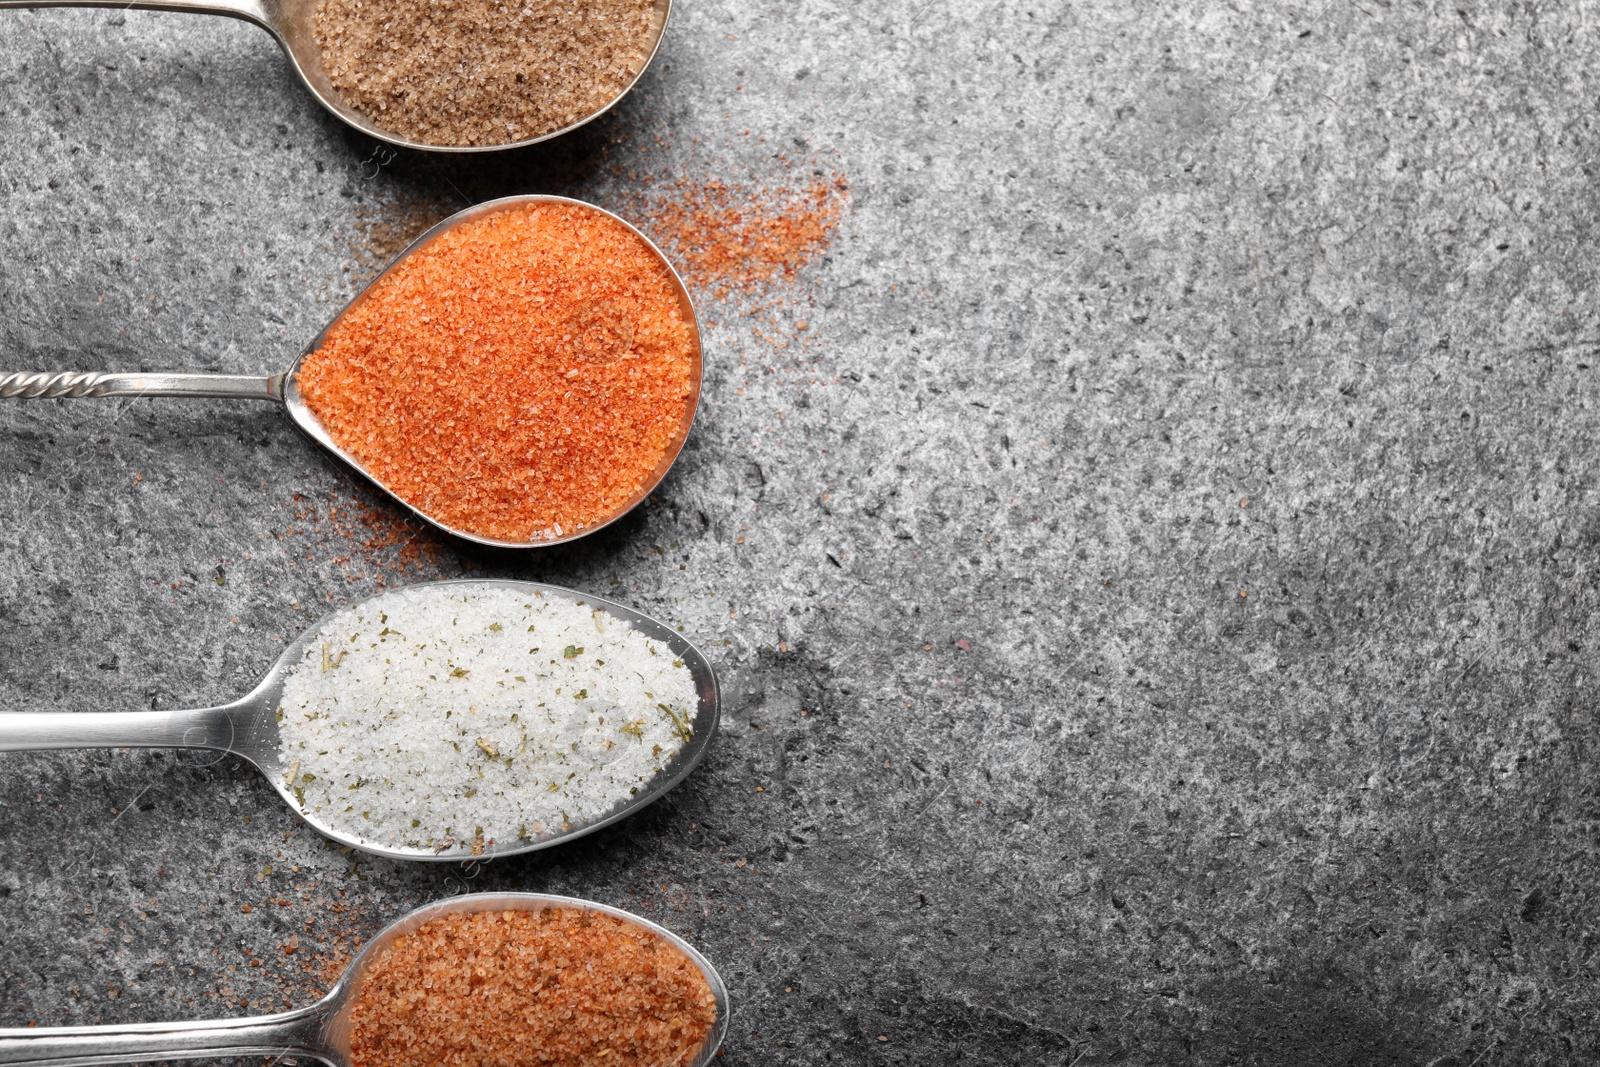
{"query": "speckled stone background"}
[(1154, 595)]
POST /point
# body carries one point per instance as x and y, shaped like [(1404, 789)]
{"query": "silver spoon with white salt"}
[(324, 1030), (328, 664)]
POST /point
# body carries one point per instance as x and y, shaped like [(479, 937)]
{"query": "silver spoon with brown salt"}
[(250, 726), (403, 85), (605, 351), (342, 1028)]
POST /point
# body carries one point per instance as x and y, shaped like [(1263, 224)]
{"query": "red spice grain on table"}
[(557, 987), (743, 236), (522, 376)]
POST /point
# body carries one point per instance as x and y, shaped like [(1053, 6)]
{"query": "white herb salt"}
[(454, 716)]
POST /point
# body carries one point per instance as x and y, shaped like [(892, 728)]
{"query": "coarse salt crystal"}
[(455, 712)]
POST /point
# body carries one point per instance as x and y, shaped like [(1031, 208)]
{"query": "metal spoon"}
[(248, 728), (285, 388), (290, 21), (322, 1030)]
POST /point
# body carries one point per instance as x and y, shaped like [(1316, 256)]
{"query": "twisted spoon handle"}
[(27, 386), (295, 1033)]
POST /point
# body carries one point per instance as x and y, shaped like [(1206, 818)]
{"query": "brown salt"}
[(558, 987), (478, 72)]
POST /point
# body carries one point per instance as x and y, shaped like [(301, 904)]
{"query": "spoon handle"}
[(295, 1033), (250, 10), (27, 386), (32, 731)]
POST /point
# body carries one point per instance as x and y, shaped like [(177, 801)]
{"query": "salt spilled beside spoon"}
[(508, 402), (648, 995), (495, 733)]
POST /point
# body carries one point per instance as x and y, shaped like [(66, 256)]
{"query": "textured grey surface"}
[(1065, 754)]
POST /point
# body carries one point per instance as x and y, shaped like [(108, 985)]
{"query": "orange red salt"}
[(740, 237), (527, 374), (557, 987)]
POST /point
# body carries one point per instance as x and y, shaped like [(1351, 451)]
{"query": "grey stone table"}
[(1154, 593)]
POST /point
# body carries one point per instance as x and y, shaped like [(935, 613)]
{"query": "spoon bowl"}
[(285, 388), (248, 728), (291, 23), (322, 1030)]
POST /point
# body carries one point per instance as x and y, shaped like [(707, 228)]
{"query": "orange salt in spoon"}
[(483, 980), (524, 374)]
